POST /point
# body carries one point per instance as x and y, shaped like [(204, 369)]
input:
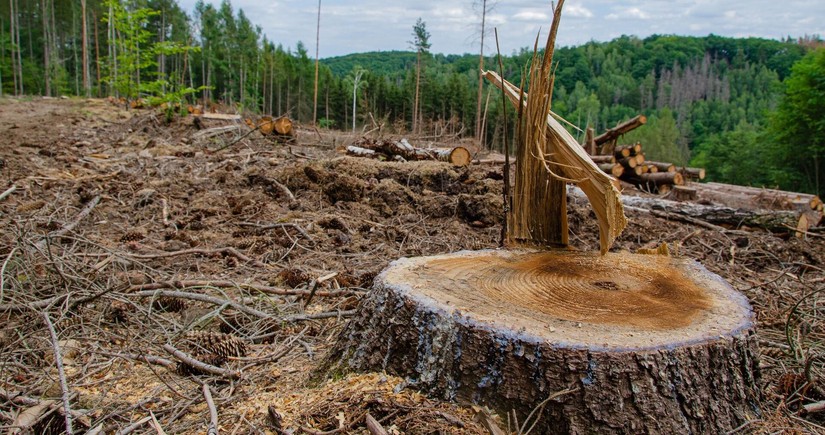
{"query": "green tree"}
[(737, 157), (798, 126)]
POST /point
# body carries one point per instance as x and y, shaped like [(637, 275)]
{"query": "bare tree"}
[(484, 6), (421, 43), (356, 81), (317, 45)]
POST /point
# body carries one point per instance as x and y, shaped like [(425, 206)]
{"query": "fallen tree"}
[(402, 150)]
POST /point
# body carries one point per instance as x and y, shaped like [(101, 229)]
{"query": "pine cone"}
[(223, 345)]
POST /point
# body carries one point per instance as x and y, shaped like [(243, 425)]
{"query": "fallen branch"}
[(313, 286), (203, 298), (179, 285), (213, 412), (811, 408), (202, 366), (71, 225), (374, 426), (296, 227), (318, 316), (225, 251), (34, 306), (149, 359), (61, 373), (7, 192)]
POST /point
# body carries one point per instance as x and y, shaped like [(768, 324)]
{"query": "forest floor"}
[(120, 223)]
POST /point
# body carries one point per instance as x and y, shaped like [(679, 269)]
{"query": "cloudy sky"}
[(350, 26)]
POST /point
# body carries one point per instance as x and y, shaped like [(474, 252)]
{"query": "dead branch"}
[(61, 373), (318, 316), (374, 426), (202, 366), (71, 225), (180, 285), (314, 286), (225, 251), (811, 408), (203, 298), (296, 227), (7, 192), (213, 412), (36, 305), (149, 359)]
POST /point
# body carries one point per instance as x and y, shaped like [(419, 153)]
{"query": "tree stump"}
[(645, 343)]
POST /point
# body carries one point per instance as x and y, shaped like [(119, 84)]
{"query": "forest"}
[(749, 110)]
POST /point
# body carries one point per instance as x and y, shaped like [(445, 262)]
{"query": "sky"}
[(353, 26)]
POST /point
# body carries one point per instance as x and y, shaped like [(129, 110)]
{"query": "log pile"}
[(280, 127), (628, 163), (403, 151)]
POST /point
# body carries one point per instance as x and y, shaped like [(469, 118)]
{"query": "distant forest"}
[(751, 111)]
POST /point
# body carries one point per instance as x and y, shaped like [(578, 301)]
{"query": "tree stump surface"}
[(646, 343)]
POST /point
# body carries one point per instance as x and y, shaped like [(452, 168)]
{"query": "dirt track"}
[(256, 225)]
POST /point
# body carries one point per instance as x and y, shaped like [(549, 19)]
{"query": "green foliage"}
[(798, 126), (738, 156), (660, 138), (125, 67)]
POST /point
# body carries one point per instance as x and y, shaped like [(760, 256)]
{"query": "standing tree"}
[(482, 4), (356, 82), (317, 45), (799, 126), (87, 90), (421, 44)]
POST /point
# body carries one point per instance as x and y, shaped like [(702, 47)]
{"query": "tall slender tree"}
[(84, 38), (317, 45), (421, 44)]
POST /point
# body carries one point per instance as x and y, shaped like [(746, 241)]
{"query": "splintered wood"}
[(570, 161)]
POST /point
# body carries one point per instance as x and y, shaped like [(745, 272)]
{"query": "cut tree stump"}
[(645, 343)]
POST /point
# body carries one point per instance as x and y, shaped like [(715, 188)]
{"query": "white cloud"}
[(629, 13), (530, 16), (349, 26), (577, 11)]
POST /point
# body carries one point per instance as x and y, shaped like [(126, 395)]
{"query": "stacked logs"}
[(628, 163), (402, 151)]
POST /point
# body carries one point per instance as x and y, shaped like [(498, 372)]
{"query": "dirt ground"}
[(127, 238)]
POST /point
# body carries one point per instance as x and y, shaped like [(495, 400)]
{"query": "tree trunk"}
[(662, 347), (46, 42), (87, 90), (752, 198)]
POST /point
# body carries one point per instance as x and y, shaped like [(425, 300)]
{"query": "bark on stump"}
[(649, 344)]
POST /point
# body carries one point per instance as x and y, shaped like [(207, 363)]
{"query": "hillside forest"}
[(749, 110)]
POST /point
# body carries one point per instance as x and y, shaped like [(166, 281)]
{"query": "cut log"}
[(628, 162), (281, 126), (220, 116), (663, 167), (640, 158), (612, 169), (402, 150), (662, 347), (693, 173), (661, 178), (623, 152), (756, 197), (777, 221), (458, 156), (683, 193), (620, 129), (360, 152), (603, 159), (652, 168)]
